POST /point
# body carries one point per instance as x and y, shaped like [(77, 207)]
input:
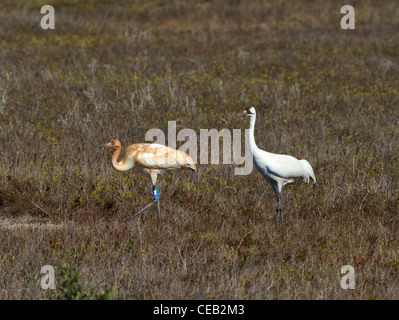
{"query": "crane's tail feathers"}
[(310, 174), (191, 164)]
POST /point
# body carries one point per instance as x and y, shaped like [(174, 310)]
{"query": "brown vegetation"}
[(117, 70)]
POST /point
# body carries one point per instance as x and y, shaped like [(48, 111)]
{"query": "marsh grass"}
[(115, 71)]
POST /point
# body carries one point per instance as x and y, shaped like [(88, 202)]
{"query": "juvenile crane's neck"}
[(122, 165)]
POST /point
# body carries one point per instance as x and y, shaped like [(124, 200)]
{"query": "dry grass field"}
[(115, 69)]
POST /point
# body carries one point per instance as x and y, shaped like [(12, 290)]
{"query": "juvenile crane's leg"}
[(155, 193), (154, 198), (159, 213), (146, 207)]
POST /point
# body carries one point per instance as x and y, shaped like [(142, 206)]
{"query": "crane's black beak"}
[(241, 114)]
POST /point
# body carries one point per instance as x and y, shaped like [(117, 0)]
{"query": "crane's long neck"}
[(251, 135), (122, 165)]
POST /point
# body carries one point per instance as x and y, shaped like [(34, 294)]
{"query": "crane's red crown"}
[(249, 111)]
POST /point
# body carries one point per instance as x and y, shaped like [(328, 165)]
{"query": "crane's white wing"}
[(280, 166)]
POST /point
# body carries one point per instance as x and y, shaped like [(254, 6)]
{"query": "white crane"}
[(278, 169)]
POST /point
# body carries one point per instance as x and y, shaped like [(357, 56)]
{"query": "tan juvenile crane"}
[(151, 159)]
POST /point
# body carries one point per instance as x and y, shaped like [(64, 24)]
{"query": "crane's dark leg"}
[(159, 213), (154, 198), (279, 211), (145, 208), (277, 190)]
